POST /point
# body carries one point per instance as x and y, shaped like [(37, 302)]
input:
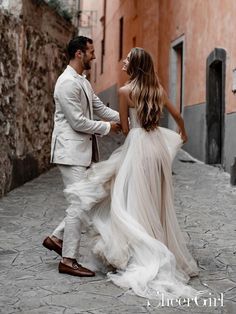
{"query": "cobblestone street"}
[(29, 279)]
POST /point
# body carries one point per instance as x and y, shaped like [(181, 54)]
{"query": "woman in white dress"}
[(128, 199)]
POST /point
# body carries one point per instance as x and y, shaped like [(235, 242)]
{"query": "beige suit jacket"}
[(74, 126)]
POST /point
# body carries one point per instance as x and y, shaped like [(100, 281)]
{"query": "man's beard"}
[(87, 65)]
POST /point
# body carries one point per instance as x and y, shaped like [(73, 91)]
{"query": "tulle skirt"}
[(128, 201)]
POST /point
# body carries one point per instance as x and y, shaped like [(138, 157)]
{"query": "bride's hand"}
[(184, 137), (115, 127)]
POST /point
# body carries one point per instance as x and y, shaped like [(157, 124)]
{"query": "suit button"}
[(90, 138)]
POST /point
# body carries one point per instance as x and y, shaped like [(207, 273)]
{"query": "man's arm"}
[(103, 111), (69, 97)]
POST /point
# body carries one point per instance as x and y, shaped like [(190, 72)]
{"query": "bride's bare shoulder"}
[(124, 93), (125, 90)]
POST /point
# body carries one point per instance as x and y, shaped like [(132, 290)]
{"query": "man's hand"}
[(115, 127)]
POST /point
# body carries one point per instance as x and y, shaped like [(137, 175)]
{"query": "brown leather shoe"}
[(49, 244), (75, 270)]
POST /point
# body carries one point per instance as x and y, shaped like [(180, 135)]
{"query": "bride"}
[(128, 199)]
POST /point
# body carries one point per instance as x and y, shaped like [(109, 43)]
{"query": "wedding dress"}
[(128, 201)]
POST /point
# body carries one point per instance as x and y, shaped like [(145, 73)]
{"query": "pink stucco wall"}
[(206, 25), (140, 26)]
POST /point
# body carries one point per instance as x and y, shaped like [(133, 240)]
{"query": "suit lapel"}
[(85, 88)]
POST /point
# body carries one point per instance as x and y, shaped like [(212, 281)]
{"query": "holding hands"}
[(115, 127)]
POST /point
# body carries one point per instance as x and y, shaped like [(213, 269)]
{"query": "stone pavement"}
[(30, 282)]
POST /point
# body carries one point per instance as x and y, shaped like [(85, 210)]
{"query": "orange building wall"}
[(156, 26), (206, 24), (140, 23)]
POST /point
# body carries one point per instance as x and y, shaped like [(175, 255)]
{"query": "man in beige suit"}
[(74, 144)]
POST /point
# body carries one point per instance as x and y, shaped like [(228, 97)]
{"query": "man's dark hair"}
[(77, 43)]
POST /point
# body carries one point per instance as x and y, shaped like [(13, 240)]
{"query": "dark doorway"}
[(176, 81), (215, 106), (179, 79)]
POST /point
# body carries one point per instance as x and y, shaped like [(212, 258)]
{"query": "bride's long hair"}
[(146, 92)]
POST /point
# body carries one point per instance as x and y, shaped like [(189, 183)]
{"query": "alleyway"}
[(30, 282)]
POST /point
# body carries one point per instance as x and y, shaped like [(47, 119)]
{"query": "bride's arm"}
[(124, 110), (177, 117)]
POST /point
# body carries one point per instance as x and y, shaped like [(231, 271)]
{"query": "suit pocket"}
[(67, 145), (72, 137)]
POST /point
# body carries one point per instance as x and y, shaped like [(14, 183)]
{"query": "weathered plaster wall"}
[(31, 58)]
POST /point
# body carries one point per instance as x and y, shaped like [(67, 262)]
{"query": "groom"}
[(74, 144)]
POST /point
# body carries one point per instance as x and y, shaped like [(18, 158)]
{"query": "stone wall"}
[(32, 56)]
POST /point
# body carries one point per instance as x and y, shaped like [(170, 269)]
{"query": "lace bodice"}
[(134, 123)]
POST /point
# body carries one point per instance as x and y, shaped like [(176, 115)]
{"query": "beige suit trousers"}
[(69, 230)]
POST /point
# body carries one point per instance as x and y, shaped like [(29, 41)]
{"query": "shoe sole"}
[(73, 274), (49, 247)]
